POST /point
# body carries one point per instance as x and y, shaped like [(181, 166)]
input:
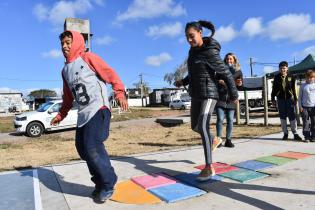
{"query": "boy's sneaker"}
[(104, 195), (206, 174), (285, 136), (95, 193), (297, 137), (312, 139), (217, 141), (228, 143)]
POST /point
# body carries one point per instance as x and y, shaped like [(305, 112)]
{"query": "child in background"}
[(224, 105), (84, 79), (307, 106)]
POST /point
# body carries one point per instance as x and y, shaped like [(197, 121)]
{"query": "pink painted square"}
[(153, 181), (220, 167)]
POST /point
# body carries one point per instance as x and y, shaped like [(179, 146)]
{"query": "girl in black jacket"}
[(224, 105), (204, 63)]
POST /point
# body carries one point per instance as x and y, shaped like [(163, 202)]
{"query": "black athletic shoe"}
[(297, 137), (312, 139), (95, 193), (285, 136), (104, 195), (228, 143)]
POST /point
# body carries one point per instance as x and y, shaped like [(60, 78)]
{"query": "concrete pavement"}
[(68, 186)]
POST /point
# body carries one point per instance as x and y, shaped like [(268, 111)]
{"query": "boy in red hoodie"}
[(84, 80)]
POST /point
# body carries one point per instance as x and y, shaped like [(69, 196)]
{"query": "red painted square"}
[(220, 167), (294, 155)]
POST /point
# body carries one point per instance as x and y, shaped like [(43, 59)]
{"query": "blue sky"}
[(147, 36)]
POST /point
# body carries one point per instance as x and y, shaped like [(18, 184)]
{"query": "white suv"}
[(34, 123), (180, 104)]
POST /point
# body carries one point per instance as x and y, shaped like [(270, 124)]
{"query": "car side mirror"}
[(49, 111)]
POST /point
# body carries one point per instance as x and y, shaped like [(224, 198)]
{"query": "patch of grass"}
[(6, 124)]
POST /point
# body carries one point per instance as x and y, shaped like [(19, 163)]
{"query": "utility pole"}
[(251, 66), (141, 88)]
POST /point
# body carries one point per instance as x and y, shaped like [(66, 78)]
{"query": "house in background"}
[(10, 100), (165, 95)]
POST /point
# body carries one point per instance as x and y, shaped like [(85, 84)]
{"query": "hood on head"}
[(77, 47)]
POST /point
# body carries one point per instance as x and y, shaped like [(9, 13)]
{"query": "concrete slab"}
[(176, 192)]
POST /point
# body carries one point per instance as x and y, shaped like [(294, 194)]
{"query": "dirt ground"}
[(128, 137)]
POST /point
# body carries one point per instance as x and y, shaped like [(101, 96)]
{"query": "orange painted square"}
[(293, 155), (130, 193)]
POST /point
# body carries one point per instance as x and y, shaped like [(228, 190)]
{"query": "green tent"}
[(303, 66), (300, 68)]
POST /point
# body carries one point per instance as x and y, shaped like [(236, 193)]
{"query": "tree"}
[(178, 74), (42, 93), (145, 85)]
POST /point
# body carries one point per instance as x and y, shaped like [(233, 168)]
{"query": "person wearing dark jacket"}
[(204, 63), (284, 89), (224, 105)]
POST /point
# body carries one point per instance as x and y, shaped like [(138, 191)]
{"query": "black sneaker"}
[(312, 139), (104, 195), (95, 193), (297, 137), (228, 143), (285, 136)]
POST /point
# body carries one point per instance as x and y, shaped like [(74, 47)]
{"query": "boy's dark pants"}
[(89, 143), (308, 116)]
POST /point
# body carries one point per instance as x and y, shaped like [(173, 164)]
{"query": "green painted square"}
[(244, 175), (275, 160)]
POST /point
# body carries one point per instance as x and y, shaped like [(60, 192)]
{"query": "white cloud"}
[(150, 9), (295, 27), (252, 27), (52, 54), (99, 2), (105, 40), (269, 69), (169, 30), (225, 34), (157, 60), (63, 9), (305, 52)]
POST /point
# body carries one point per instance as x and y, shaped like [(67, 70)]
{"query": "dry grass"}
[(59, 148)]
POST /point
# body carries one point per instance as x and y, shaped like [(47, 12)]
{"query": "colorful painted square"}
[(244, 175), (274, 160), (254, 165), (175, 192), (130, 193), (190, 179), (294, 155), (220, 167), (153, 180)]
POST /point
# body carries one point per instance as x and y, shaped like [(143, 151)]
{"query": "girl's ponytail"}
[(208, 25)]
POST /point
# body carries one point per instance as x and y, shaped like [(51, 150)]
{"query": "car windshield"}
[(45, 106)]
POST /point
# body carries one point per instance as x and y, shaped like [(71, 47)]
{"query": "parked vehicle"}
[(180, 104), (34, 123)]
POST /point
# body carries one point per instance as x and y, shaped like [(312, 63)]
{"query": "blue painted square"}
[(176, 192), (254, 165)]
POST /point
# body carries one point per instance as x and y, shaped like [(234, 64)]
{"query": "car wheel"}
[(34, 129), (242, 110), (172, 107), (183, 107)]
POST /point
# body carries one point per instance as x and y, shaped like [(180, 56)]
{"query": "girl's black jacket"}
[(224, 97), (204, 63)]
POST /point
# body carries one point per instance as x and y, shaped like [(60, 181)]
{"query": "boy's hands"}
[(55, 121), (122, 102)]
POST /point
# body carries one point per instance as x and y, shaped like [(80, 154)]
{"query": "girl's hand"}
[(123, 103), (238, 82), (55, 121), (221, 82)]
